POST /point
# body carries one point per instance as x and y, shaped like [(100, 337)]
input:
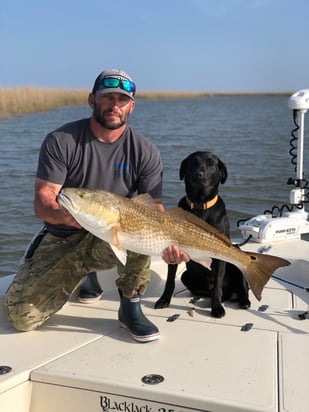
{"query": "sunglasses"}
[(114, 82)]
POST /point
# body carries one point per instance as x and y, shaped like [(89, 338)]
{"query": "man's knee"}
[(24, 317)]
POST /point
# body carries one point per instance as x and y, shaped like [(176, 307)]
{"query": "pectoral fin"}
[(116, 238), (120, 253)]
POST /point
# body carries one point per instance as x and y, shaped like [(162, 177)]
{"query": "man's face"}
[(112, 110)]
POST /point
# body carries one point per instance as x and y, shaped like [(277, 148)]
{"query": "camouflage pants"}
[(46, 279)]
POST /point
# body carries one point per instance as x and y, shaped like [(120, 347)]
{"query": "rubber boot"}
[(90, 290), (131, 317)]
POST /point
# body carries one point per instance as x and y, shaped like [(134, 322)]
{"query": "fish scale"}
[(166, 231)]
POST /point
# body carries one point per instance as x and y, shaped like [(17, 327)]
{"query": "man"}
[(98, 152)]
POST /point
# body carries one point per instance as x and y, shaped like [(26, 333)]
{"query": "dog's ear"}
[(222, 171), (183, 169)]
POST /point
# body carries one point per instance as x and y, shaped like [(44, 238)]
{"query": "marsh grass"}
[(22, 100), (15, 101)]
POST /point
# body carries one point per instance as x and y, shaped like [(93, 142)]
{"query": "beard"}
[(105, 121)]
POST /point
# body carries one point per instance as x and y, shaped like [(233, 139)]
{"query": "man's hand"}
[(67, 218), (46, 206), (173, 255)]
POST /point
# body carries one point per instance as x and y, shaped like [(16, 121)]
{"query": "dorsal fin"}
[(146, 200), (178, 213)]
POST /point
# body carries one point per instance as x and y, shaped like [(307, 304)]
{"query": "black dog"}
[(203, 172)]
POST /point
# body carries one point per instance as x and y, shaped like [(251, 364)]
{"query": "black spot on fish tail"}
[(260, 269)]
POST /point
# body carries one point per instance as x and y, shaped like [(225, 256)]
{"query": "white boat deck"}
[(80, 360)]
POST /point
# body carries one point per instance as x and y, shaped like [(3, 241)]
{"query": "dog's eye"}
[(210, 163)]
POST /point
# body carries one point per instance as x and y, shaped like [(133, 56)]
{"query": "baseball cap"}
[(114, 81)]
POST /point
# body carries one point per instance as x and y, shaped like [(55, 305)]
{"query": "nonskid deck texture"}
[(80, 360)]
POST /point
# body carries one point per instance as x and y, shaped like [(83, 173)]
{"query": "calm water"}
[(250, 134)]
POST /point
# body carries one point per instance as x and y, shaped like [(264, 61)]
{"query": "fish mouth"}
[(65, 201)]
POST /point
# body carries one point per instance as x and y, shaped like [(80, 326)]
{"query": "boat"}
[(249, 360)]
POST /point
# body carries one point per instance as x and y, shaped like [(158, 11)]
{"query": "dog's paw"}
[(162, 303), (218, 312), (244, 302)]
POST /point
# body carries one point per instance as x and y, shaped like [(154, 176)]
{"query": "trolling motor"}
[(294, 223)]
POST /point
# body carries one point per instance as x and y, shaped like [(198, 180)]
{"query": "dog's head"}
[(202, 171)]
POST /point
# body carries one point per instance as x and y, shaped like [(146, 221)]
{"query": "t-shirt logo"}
[(121, 169)]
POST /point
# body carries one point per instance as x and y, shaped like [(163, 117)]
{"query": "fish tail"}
[(260, 269)]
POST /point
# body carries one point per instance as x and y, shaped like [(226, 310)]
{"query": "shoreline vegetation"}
[(23, 100)]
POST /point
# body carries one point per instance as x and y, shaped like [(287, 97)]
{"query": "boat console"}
[(293, 223)]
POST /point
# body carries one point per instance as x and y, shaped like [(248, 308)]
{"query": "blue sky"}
[(182, 45)]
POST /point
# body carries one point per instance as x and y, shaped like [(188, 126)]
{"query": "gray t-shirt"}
[(73, 157)]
